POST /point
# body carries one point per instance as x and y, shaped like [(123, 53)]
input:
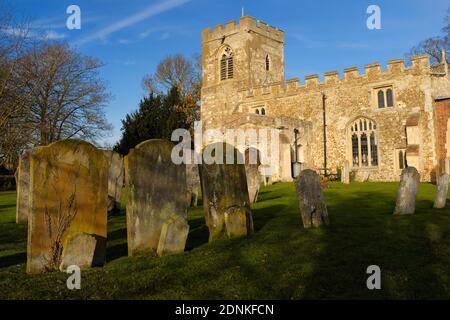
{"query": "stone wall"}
[(348, 97)]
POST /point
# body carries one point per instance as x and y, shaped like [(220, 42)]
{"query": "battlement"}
[(397, 67), (246, 24)]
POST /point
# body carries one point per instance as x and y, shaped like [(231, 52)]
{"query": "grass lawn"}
[(280, 261)]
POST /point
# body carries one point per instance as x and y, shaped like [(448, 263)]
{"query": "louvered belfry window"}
[(227, 65)]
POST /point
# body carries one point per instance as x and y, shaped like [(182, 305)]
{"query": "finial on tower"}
[(243, 11), (444, 55)]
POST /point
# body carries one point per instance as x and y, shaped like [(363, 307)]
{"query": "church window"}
[(227, 65), (257, 111), (263, 111), (364, 144), (389, 98), (380, 99), (385, 97), (267, 63)]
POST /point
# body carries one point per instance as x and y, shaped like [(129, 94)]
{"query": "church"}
[(375, 122)]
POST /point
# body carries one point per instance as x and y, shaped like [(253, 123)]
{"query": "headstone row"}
[(66, 189)]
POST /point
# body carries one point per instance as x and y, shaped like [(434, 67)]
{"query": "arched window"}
[(389, 98), (267, 63), (381, 99), (364, 144), (257, 111), (227, 65), (263, 111)]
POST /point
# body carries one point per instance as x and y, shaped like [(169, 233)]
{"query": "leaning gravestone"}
[(68, 203), (442, 191), (23, 188), (115, 179), (345, 173), (407, 192), (193, 184), (225, 195), (252, 163), (311, 199), (156, 206)]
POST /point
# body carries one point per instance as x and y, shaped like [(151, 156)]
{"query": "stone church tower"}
[(378, 121)]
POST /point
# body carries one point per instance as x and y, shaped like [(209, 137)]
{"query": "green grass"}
[(280, 261)]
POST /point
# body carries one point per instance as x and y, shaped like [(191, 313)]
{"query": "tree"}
[(156, 118), (183, 74), (64, 96), (13, 42), (433, 46)]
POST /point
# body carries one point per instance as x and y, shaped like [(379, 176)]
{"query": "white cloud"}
[(148, 12), (53, 35)]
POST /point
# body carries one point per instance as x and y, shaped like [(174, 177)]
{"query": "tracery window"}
[(364, 143)]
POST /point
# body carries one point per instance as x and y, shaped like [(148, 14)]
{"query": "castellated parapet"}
[(373, 73), (246, 24)]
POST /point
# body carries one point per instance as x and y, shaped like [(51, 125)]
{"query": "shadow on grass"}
[(116, 252), (363, 231), (12, 260)]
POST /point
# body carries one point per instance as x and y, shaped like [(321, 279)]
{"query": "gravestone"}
[(225, 195), (252, 163), (83, 250), (173, 237), (23, 188), (311, 199), (253, 181), (193, 184), (115, 179), (345, 173), (68, 197), (407, 192), (442, 191), (156, 206)]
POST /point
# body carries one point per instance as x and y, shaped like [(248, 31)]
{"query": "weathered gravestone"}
[(68, 202), (442, 191), (23, 187), (83, 251), (225, 195), (311, 199), (345, 173), (193, 184), (115, 179), (407, 192), (156, 206), (252, 163)]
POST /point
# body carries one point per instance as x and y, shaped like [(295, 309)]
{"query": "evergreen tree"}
[(156, 118)]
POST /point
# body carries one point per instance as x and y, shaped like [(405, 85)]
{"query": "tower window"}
[(267, 63), (263, 111), (227, 65), (257, 111)]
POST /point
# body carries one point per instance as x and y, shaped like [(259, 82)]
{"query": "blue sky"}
[(132, 36)]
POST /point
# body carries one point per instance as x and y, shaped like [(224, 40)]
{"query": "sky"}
[(131, 36)]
